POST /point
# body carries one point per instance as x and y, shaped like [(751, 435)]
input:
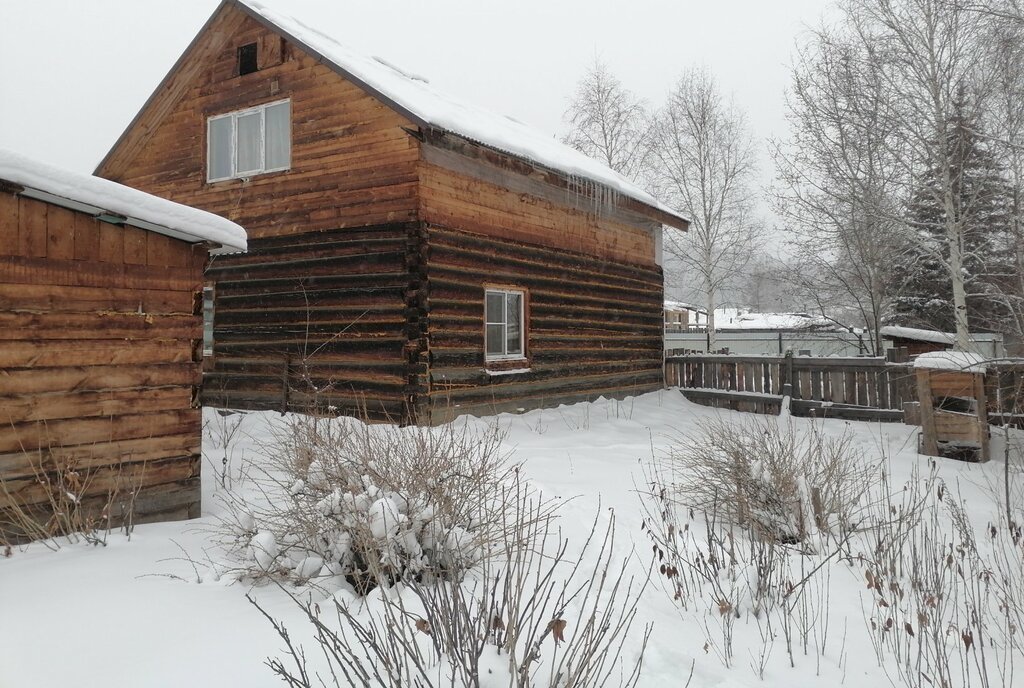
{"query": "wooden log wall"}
[(594, 327), (353, 162), (870, 382), (319, 321), (99, 361), (485, 192)]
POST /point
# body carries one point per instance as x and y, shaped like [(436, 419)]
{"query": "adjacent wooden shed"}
[(412, 255), (954, 407), (100, 344)]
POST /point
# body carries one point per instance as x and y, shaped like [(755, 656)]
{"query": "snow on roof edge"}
[(917, 334), (138, 207), (961, 361), (454, 115)]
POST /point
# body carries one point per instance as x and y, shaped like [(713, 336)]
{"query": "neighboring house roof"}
[(682, 306), (918, 335), (777, 321), (96, 196)]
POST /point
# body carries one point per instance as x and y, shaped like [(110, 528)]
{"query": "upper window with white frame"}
[(249, 142), (505, 329)]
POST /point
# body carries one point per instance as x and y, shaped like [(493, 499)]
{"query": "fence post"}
[(787, 374)]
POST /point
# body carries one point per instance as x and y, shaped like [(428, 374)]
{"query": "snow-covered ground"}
[(133, 614)]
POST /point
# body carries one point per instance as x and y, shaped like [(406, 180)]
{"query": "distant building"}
[(919, 341)]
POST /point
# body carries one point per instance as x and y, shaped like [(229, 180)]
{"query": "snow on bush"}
[(340, 503)]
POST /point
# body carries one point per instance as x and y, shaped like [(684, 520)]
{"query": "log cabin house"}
[(411, 256), (99, 347)]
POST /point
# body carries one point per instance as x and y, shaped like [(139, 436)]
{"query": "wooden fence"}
[(852, 388)]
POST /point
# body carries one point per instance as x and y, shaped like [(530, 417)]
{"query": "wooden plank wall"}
[(317, 321), (99, 350), (594, 327), (493, 197), (353, 164)]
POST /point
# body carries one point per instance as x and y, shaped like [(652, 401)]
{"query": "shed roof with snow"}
[(118, 203)]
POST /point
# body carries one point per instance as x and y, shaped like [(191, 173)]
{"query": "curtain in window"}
[(220, 148), (279, 136), (495, 315), (514, 310), (249, 151)]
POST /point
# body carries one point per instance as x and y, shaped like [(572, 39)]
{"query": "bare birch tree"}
[(839, 181), (608, 123), (930, 52), (706, 163)]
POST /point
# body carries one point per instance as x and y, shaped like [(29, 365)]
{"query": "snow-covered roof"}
[(775, 321), (917, 334), (417, 99), (97, 196), (962, 361), (671, 305)]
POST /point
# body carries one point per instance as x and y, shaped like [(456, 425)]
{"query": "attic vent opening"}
[(247, 59)]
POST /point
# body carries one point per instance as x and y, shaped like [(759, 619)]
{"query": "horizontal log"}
[(70, 405), (79, 431), (50, 326), (93, 352), (23, 464), (77, 379), (468, 248), (102, 480), (49, 298)]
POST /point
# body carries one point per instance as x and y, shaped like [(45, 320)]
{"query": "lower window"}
[(505, 330)]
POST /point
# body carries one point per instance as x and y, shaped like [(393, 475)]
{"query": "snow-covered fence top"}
[(102, 197)]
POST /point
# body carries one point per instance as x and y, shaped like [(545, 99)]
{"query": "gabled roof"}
[(430, 109), (96, 196)]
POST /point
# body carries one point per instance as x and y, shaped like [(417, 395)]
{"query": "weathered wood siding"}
[(594, 327), (321, 320), (99, 359), (376, 244), (353, 164), (488, 193)]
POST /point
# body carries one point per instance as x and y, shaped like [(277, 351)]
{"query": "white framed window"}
[(504, 324), (248, 142)]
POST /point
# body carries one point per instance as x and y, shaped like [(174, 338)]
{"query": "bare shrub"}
[(783, 484), (744, 520), (75, 509), (945, 605), (530, 615), (340, 503)]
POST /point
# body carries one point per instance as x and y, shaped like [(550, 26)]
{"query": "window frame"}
[(504, 291), (234, 117)]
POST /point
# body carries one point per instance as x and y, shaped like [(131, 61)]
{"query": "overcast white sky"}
[(74, 72)]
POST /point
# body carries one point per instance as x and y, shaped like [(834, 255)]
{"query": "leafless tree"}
[(706, 163), (839, 180), (609, 123), (929, 52)]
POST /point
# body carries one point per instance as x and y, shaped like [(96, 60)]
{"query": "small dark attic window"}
[(247, 59)]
